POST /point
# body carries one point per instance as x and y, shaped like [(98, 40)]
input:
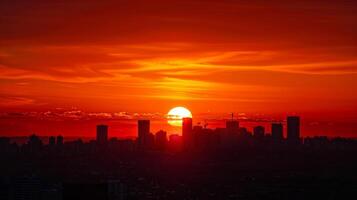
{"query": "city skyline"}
[(145, 139), (288, 130), (178, 99), (77, 123), (146, 58)]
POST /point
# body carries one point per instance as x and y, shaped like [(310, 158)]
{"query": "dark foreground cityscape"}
[(221, 163)]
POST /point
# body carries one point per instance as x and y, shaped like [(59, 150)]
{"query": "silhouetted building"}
[(143, 132), (259, 132), (52, 141), (161, 139), (204, 138), (229, 136), (102, 134), (150, 141), (277, 131), (196, 131), (34, 143), (232, 126), (60, 140), (34, 140), (293, 129), (187, 135)]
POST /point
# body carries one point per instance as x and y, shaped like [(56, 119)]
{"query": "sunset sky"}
[(209, 56)]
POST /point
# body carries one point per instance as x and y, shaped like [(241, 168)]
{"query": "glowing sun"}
[(175, 115)]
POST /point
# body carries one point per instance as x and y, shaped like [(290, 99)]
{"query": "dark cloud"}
[(98, 22)]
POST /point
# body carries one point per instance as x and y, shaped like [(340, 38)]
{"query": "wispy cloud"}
[(10, 101), (177, 50)]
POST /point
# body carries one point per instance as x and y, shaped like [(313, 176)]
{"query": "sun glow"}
[(175, 115)]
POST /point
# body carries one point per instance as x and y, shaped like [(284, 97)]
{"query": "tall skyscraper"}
[(293, 126), (143, 132), (161, 139), (229, 135), (102, 134), (187, 135), (277, 131)]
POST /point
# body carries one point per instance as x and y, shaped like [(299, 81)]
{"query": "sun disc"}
[(175, 115)]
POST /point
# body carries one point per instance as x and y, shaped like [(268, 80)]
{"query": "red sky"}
[(149, 56)]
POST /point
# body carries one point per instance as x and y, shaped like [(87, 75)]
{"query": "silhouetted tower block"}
[(293, 126), (161, 139), (203, 138), (102, 134), (60, 140), (150, 141), (187, 135), (52, 141), (34, 139), (34, 143), (277, 131), (258, 132), (196, 132), (143, 132), (229, 136), (232, 126)]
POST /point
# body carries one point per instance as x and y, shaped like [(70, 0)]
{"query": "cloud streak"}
[(179, 51)]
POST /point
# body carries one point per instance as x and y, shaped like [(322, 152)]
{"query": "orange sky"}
[(148, 56)]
